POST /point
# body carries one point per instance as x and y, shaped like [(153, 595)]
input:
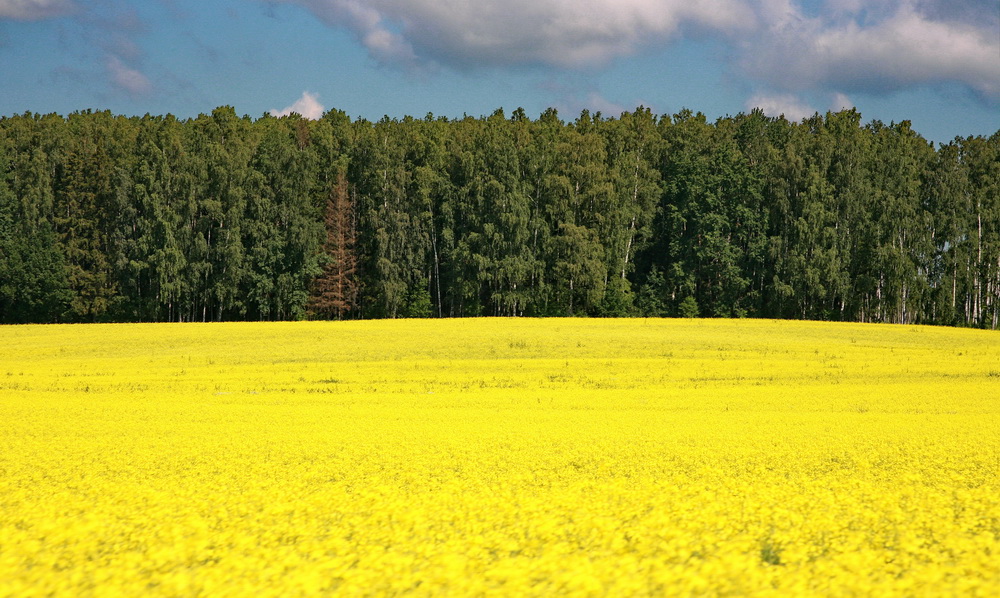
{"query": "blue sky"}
[(934, 62)]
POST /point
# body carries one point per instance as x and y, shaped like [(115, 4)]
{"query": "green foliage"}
[(652, 299), (222, 217), (618, 301), (33, 283), (418, 304), (688, 308)]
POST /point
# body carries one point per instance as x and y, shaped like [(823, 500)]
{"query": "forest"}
[(222, 217)]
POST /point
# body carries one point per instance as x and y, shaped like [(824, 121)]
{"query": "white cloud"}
[(307, 106), (127, 78), (388, 48), (572, 102), (34, 10), (863, 46), (789, 106), (598, 103), (564, 33), (778, 14), (877, 46), (840, 102)]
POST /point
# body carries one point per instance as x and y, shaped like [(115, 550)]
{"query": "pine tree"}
[(335, 290)]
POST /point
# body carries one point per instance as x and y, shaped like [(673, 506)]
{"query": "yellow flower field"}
[(499, 457)]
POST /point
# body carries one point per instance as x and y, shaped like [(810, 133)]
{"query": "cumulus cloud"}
[(127, 78), (572, 102), (787, 105), (368, 23), (563, 33), (878, 46), (35, 10), (784, 46), (307, 106), (598, 103), (840, 102)]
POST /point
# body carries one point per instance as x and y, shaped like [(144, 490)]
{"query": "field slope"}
[(499, 457)]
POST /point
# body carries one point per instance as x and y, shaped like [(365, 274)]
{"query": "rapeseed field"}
[(499, 458)]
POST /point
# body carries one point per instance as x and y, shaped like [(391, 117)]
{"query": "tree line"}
[(222, 217)]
